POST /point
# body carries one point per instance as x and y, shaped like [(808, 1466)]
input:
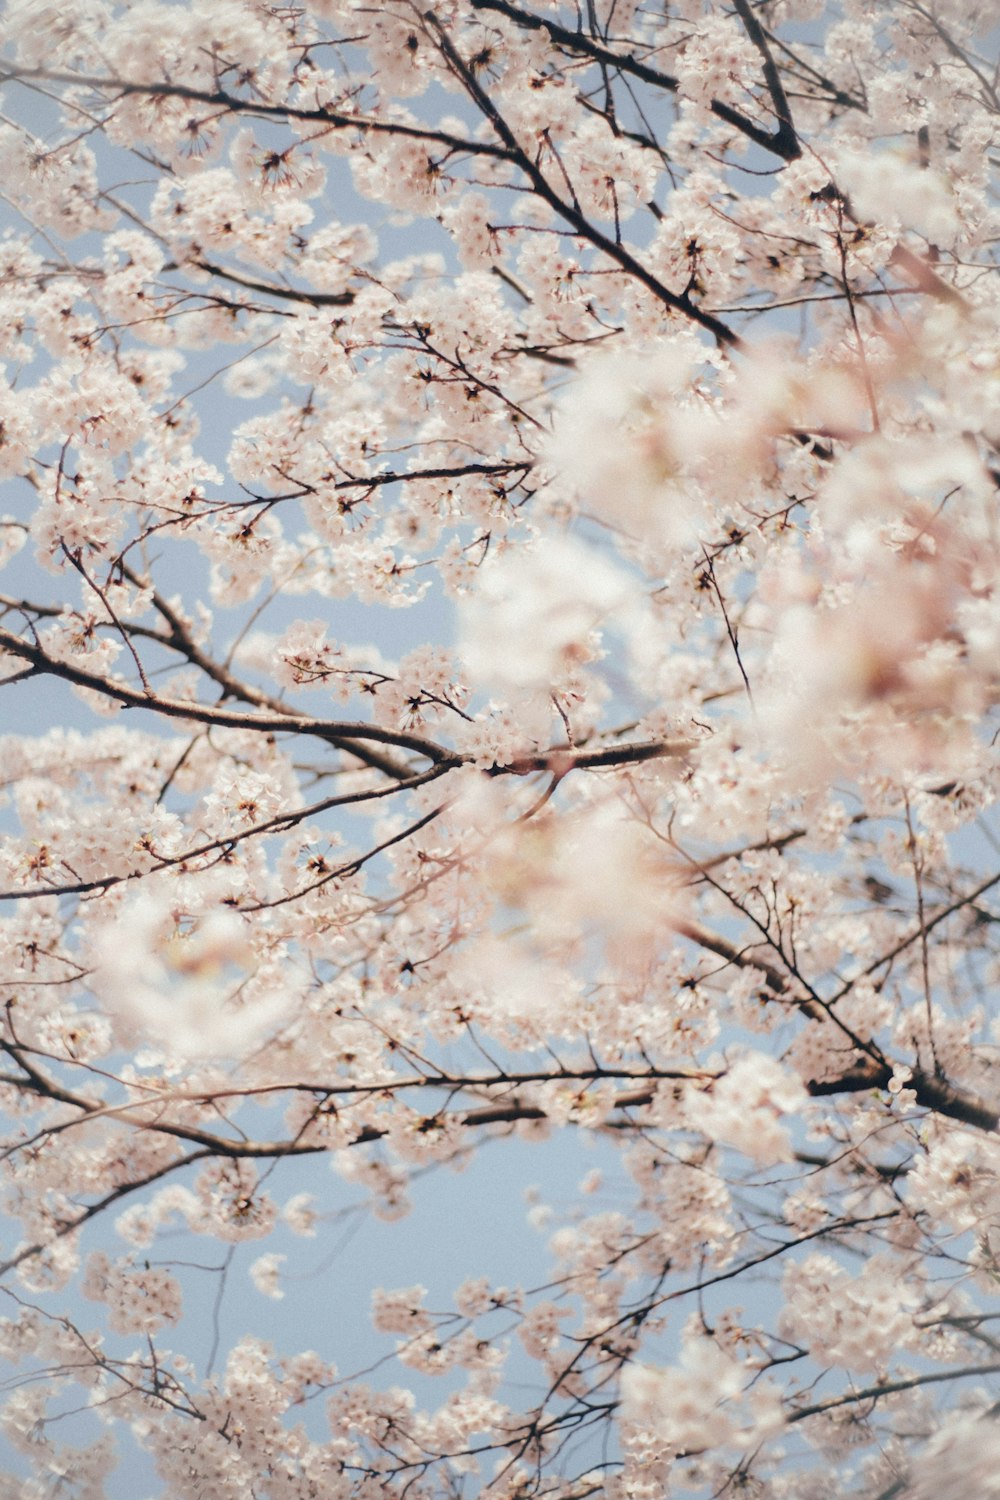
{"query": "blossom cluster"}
[(500, 635)]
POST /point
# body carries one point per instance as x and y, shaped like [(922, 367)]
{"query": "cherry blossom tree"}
[(648, 354)]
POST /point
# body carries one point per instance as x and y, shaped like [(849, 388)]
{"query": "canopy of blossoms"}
[(649, 356)]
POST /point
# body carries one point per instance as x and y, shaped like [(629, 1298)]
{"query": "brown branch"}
[(778, 143), (778, 982), (889, 1388), (285, 293), (785, 142), (723, 334), (219, 99), (69, 1226), (935, 1094), (565, 759), (280, 823), (459, 471), (178, 638), (340, 734), (917, 936), (181, 640)]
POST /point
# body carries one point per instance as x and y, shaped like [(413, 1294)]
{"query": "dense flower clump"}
[(501, 644)]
